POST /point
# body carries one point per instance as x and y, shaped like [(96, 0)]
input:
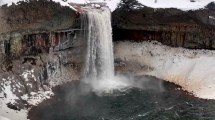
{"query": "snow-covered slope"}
[(3, 118), (192, 69), (9, 114), (180, 4), (9, 2)]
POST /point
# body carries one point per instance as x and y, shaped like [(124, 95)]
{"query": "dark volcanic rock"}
[(38, 51), (35, 15), (174, 27)]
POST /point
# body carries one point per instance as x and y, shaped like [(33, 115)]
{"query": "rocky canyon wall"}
[(38, 50), (41, 46), (173, 27), (35, 15)]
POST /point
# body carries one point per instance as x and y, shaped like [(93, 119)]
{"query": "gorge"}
[(56, 59)]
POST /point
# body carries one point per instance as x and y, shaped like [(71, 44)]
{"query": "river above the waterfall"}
[(156, 100)]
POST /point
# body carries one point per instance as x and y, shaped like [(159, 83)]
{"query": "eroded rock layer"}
[(38, 50), (35, 15), (173, 27)]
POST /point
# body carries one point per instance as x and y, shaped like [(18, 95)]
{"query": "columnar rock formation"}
[(174, 27)]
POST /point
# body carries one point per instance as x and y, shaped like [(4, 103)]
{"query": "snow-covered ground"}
[(9, 114), (8, 95), (3, 118), (180, 4), (192, 69), (13, 87)]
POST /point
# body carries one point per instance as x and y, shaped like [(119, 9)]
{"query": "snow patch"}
[(28, 73), (3, 118), (112, 4), (36, 98), (10, 2), (180, 4), (9, 87), (212, 17), (8, 90), (9, 114), (192, 69), (10, 97)]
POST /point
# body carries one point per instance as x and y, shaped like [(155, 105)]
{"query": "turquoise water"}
[(75, 101)]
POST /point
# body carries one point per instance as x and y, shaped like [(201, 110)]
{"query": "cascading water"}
[(99, 64), (99, 58)]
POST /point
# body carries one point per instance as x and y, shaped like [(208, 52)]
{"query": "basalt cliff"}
[(41, 42), (173, 27)]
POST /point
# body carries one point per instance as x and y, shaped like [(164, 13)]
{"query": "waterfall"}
[(99, 58), (99, 62)]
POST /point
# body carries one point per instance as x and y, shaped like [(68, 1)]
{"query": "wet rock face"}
[(173, 27), (37, 51), (32, 64)]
